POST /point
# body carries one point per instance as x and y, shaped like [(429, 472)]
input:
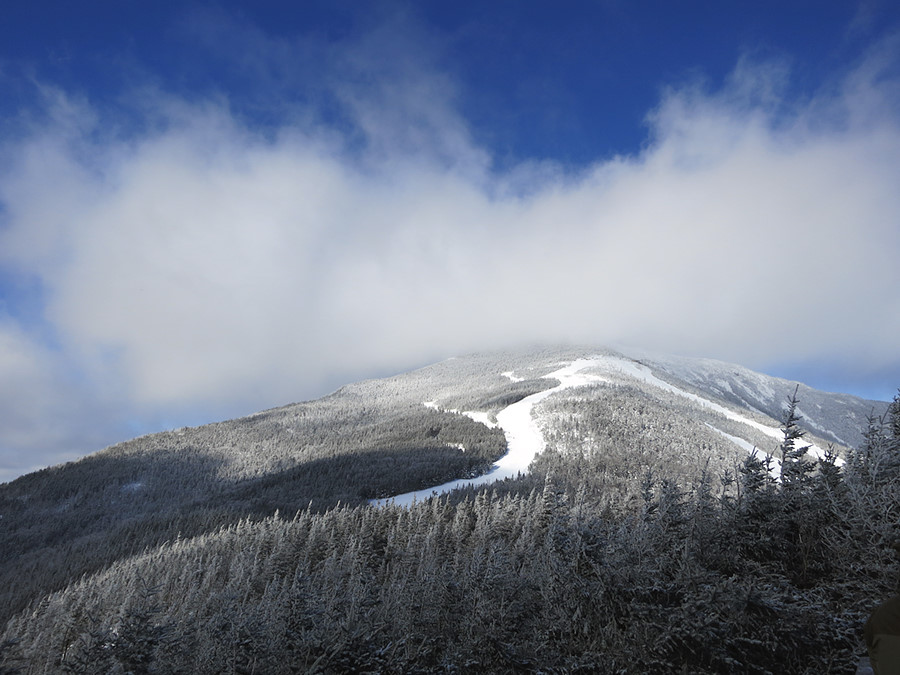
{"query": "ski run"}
[(525, 439)]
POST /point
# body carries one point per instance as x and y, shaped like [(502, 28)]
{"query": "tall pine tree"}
[(796, 467)]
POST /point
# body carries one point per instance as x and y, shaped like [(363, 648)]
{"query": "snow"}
[(512, 378), (524, 439), (818, 427), (774, 467), (643, 373), (481, 417), (737, 440), (478, 416)]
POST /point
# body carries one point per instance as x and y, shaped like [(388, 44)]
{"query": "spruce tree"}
[(795, 466)]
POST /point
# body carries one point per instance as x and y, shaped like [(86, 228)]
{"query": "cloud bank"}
[(196, 262)]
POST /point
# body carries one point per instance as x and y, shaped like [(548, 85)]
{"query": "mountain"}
[(837, 418), (615, 431)]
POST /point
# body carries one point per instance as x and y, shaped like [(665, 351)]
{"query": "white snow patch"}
[(512, 378), (737, 440), (477, 415), (482, 417), (774, 467)]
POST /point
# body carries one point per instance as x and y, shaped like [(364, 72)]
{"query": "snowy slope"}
[(703, 385), (524, 438), (838, 418)]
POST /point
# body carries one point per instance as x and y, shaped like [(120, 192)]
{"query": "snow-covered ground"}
[(642, 372), (525, 439), (774, 466)]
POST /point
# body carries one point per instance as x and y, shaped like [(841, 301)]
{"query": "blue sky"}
[(207, 209)]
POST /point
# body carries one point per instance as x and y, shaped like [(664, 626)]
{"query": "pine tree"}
[(892, 440), (894, 420), (795, 465)]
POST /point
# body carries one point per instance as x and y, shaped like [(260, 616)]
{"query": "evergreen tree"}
[(795, 465)]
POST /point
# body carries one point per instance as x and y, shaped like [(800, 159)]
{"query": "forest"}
[(63, 522)]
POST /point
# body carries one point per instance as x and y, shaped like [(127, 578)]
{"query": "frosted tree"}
[(795, 465)]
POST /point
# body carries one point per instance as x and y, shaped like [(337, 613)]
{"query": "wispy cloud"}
[(206, 264)]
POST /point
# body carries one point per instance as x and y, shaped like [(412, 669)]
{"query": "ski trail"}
[(524, 439), (774, 467), (642, 372)]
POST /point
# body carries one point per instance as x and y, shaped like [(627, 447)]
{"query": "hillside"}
[(181, 523)]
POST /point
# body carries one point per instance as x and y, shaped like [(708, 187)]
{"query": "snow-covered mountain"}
[(620, 432), (739, 405), (836, 417)]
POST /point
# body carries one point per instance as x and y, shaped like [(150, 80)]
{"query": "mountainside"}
[(714, 411), (837, 418), (601, 424)]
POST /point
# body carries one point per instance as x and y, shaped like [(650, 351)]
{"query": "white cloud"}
[(43, 418), (204, 266)]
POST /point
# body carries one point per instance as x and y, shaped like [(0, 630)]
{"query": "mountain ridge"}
[(741, 385), (842, 422)]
